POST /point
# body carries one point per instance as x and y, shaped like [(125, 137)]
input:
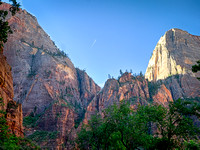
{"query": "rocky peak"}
[(126, 77), (57, 96), (128, 87), (52, 91), (175, 53)]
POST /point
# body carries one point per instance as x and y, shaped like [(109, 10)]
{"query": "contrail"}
[(93, 43)]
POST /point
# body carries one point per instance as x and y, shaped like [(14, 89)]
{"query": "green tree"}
[(109, 76), (196, 68), (128, 130), (91, 135), (119, 129), (173, 125), (4, 26), (9, 141), (150, 127), (120, 71)]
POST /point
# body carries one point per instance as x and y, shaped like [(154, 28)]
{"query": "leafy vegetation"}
[(153, 88), (40, 136), (80, 118), (4, 26), (32, 72), (9, 140), (31, 120), (150, 127), (12, 105), (59, 53), (196, 68)]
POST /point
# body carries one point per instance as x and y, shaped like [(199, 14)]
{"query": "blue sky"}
[(104, 36)]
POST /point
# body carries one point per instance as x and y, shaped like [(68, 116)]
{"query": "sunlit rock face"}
[(163, 96), (13, 110), (128, 87), (167, 78), (174, 54), (59, 97), (46, 82), (172, 60)]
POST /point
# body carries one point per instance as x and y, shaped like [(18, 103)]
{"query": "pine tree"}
[(120, 72), (4, 26)]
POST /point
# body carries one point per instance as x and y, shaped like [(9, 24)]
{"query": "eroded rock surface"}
[(127, 87), (167, 78), (172, 59), (13, 110), (57, 97), (175, 53), (53, 93)]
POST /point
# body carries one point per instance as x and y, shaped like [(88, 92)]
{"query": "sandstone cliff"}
[(172, 60), (53, 93), (127, 87), (168, 76), (13, 110), (56, 97), (174, 54)]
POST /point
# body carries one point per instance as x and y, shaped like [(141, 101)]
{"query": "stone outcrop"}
[(54, 94), (13, 110), (163, 96), (56, 97), (127, 87), (167, 78), (174, 54), (172, 59)]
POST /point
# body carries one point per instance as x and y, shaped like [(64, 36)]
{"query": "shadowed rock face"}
[(14, 115), (50, 88)]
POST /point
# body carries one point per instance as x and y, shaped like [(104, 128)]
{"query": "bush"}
[(10, 141), (40, 136), (192, 145), (150, 127), (31, 120)]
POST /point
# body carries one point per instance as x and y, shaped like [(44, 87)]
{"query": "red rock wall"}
[(46, 81), (14, 115)]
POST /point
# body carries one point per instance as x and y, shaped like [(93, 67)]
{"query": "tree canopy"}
[(4, 25), (196, 68), (9, 141), (150, 127)]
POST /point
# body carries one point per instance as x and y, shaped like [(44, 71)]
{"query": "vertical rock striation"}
[(13, 110), (167, 78), (54, 94), (174, 54), (56, 97), (171, 63), (128, 87)]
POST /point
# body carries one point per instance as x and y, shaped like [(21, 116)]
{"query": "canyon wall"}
[(168, 76), (57, 98), (171, 63), (53, 93), (13, 110)]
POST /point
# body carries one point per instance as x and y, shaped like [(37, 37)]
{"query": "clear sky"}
[(104, 36)]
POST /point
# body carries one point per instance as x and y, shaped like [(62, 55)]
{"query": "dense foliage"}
[(150, 127), (196, 68), (4, 26), (9, 141)]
